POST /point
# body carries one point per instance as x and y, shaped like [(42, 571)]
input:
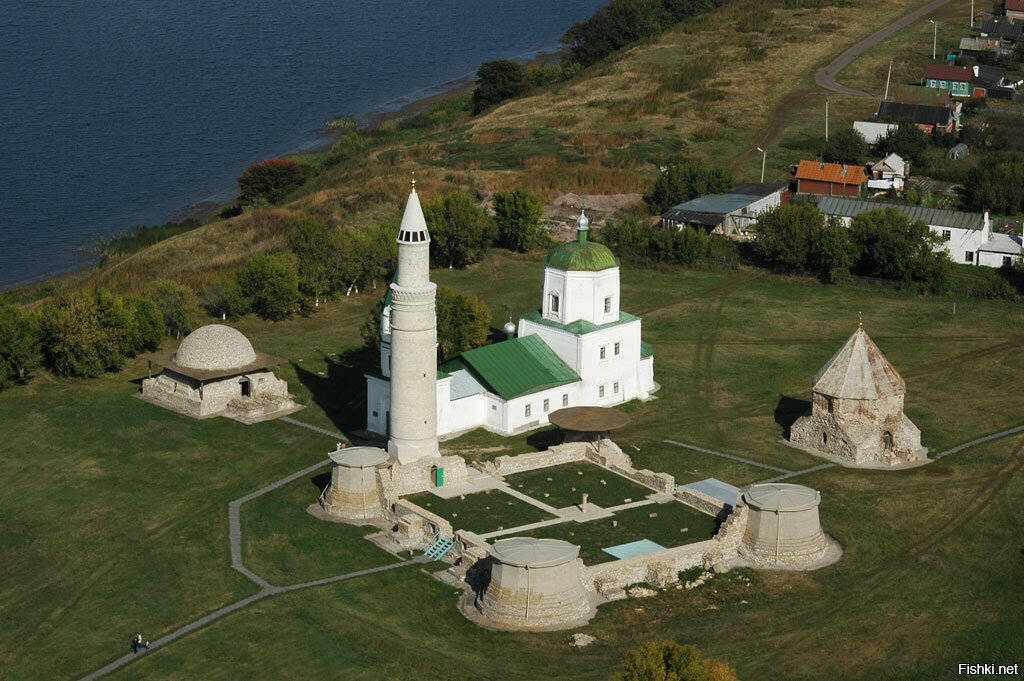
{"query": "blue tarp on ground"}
[(717, 489), (634, 548)]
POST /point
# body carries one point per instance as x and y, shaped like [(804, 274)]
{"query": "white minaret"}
[(413, 342)]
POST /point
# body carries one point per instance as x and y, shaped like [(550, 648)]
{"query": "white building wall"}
[(597, 371), (960, 243), (582, 295), (993, 259), (462, 414), (564, 344)]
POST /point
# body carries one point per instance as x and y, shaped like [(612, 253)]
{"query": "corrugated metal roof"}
[(759, 189), (580, 326), (1002, 29), (1002, 243), (831, 172), (691, 217), (848, 208), (946, 72), (873, 131), (922, 114), (722, 204), (515, 367)]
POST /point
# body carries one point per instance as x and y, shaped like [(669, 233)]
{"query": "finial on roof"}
[(413, 182), (860, 320)]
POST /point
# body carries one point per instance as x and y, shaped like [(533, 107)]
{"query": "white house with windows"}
[(967, 237), (579, 349)]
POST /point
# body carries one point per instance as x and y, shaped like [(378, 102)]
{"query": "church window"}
[(607, 304), (494, 407), (565, 400), (527, 410), (968, 256), (423, 236), (618, 348), (547, 405), (828, 403), (600, 391), (824, 438), (615, 387), (887, 440), (947, 235), (554, 303), (604, 351)]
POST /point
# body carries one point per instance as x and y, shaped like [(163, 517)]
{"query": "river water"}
[(117, 114)]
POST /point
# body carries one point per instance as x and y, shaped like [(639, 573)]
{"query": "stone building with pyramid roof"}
[(856, 412)]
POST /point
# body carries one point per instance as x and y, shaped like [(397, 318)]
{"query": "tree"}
[(224, 298), (270, 180), (118, 339), (906, 140), (681, 182), (497, 81), (149, 324), (846, 146), (628, 238), (997, 183), (177, 303), (460, 230), (20, 344), (669, 661), (690, 245), (316, 247), (831, 250), (784, 234), (888, 245), (517, 214), (72, 335), (270, 281), (463, 322)]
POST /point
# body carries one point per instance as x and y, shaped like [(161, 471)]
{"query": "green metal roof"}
[(580, 326), (580, 255), (646, 350), (515, 367)]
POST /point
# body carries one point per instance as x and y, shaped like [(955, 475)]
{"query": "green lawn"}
[(113, 512), (633, 524), (284, 544), (564, 485), (482, 512)]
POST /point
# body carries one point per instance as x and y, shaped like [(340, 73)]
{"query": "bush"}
[(681, 182), (20, 344), (350, 145), (270, 180), (497, 81), (517, 215), (270, 281), (669, 661), (177, 303), (460, 229), (845, 146)]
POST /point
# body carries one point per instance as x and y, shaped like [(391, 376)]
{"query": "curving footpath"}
[(826, 77)]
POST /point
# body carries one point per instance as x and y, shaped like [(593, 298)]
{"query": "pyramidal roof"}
[(414, 226), (859, 371)]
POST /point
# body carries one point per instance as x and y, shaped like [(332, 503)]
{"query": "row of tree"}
[(640, 242), (884, 243)]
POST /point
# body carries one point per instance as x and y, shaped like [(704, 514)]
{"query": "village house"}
[(968, 81), (829, 179), (980, 47), (730, 214), (889, 173), (967, 237), (1009, 33), (1014, 10), (927, 117)]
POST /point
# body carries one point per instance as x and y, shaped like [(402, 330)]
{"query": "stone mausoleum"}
[(216, 372), (856, 413), (783, 528)]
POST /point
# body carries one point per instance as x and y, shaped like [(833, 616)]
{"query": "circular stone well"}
[(352, 493), (783, 528), (535, 584)]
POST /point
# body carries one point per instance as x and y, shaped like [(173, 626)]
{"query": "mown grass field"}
[(113, 512), (564, 485)]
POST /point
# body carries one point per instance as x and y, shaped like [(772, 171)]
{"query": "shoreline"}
[(404, 106)]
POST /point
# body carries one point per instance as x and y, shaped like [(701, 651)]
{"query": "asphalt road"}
[(826, 77)]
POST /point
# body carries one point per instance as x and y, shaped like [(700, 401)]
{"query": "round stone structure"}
[(783, 527), (352, 493), (215, 347), (535, 584)]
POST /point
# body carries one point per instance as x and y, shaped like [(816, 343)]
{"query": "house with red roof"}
[(956, 79), (829, 179), (1014, 10)]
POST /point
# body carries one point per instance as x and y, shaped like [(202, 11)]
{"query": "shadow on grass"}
[(341, 393), (320, 480), (544, 439), (788, 410)]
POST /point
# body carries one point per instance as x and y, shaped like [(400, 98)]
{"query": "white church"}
[(578, 349)]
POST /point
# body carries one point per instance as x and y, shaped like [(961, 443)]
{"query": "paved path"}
[(978, 441), (728, 456), (826, 77), (332, 433), (780, 478), (528, 499)]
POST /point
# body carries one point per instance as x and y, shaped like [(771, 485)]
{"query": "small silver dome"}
[(510, 328), (583, 222)]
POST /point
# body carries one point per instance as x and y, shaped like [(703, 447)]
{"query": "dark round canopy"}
[(589, 419)]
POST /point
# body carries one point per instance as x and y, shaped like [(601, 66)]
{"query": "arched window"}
[(887, 440), (554, 303), (824, 438)]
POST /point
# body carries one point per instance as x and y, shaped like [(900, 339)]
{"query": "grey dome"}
[(215, 347)]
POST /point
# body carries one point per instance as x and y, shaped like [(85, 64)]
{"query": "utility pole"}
[(972, 13), (887, 79), (826, 120), (935, 37), (764, 157)]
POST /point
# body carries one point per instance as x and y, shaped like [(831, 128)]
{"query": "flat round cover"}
[(534, 553), (588, 419), (359, 457), (781, 496)]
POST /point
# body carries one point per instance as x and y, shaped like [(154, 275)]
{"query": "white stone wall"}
[(702, 502), (555, 456), (581, 295), (184, 394)]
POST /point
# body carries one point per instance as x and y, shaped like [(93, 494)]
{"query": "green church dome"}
[(580, 255)]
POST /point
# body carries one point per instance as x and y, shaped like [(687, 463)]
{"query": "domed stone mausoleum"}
[(216, 372)]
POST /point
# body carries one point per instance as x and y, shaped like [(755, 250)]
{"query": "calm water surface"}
[(118, 114)]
